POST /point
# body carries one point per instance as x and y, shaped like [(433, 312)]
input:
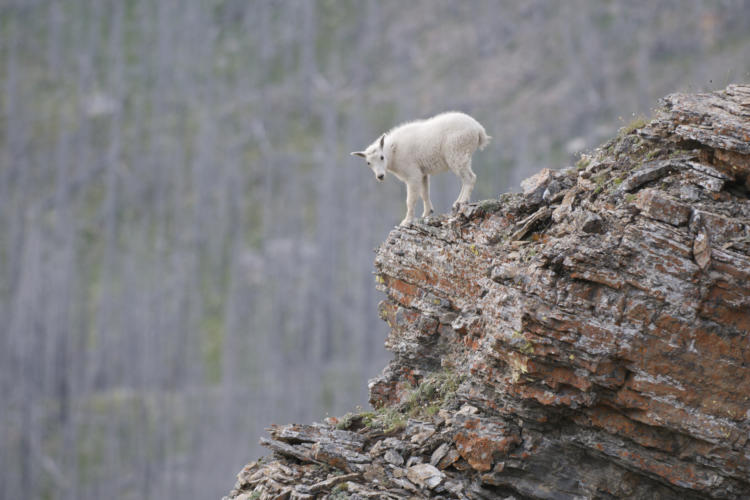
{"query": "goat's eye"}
[(381, 157), (368, 162)]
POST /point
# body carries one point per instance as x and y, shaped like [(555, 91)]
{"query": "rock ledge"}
[(589, 338)]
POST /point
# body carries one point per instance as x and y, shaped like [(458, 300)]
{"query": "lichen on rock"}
[(589, 338)]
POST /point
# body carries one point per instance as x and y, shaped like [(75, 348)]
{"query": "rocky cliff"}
[(589, 338)]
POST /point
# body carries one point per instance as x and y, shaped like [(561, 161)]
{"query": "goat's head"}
[(376, 157)]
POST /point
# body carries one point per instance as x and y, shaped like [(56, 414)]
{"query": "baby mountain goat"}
[(415, 150)]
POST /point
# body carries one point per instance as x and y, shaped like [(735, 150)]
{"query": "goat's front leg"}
[(427, 204), (411, 201)]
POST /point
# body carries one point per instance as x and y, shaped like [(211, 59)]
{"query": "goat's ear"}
[(358, 153), (382, 141)]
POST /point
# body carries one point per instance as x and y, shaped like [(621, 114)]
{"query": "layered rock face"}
[(589, 338)]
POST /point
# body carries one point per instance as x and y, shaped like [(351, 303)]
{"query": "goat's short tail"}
[(484, 139)]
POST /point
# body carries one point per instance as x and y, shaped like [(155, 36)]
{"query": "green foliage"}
[(340, 491), (424, 401), (600, 178), (526, 348), (432, 393), (369, 418), (346, 421), (583, 162), (438, 387), (432, 410), (392, 420), (639, 121)]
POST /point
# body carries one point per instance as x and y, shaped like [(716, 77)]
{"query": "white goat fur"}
[(415, 150)]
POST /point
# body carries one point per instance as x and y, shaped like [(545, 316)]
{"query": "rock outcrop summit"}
[(588, 338)]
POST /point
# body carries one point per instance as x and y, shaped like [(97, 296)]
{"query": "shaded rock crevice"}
[(588, 338)]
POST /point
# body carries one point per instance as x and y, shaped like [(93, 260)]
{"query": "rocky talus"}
[(588, 338)]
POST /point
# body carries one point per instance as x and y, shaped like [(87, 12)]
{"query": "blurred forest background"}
[(185, 242)]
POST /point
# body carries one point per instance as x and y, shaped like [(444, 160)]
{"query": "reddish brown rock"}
[(593, 342), (662, 207), (483, 449)]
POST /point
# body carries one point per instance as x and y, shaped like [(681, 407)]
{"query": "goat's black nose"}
[(380, 177)]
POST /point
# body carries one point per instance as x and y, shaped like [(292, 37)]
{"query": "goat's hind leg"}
[(468, 180)]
